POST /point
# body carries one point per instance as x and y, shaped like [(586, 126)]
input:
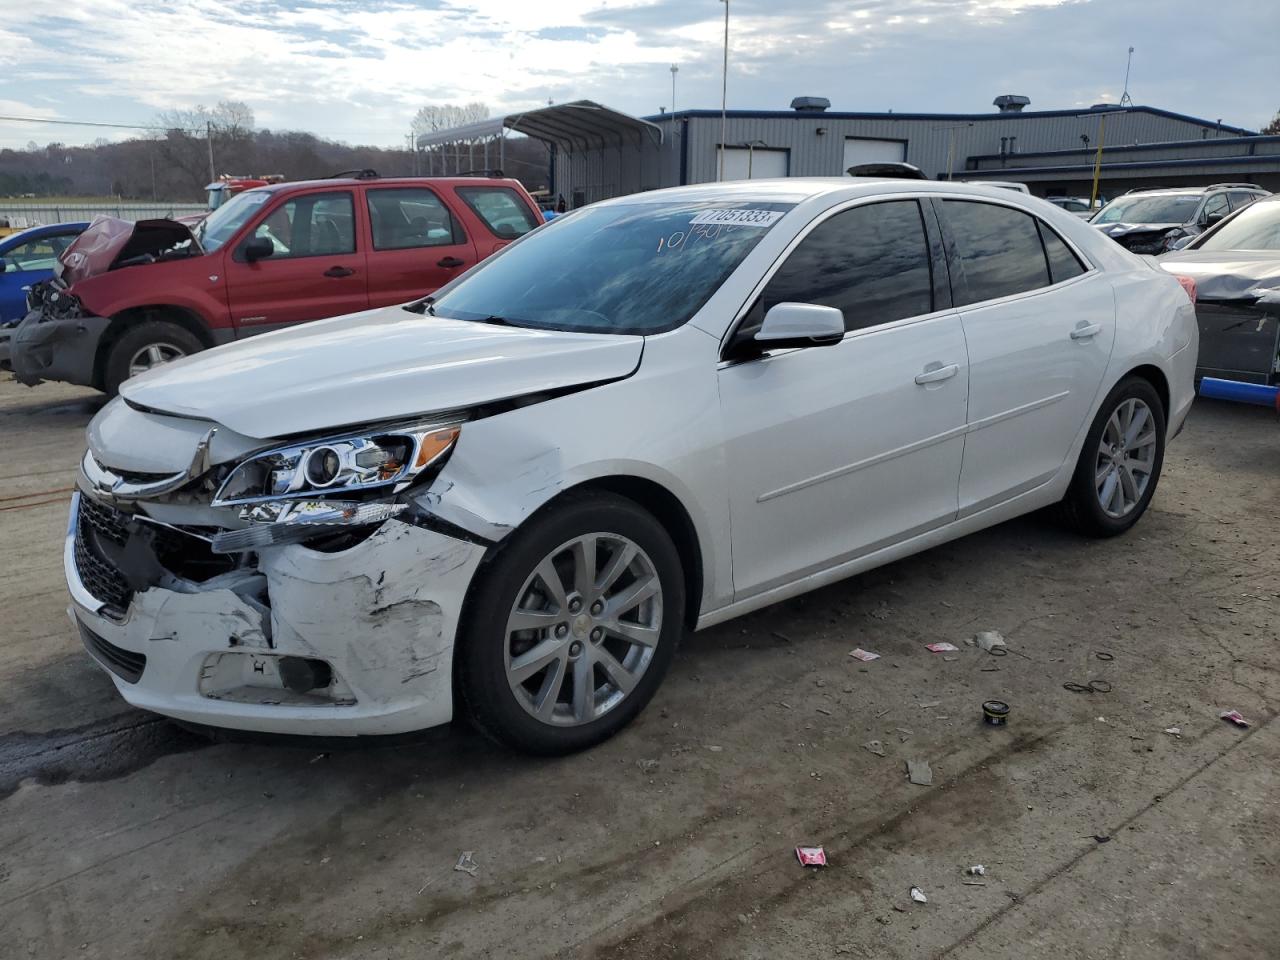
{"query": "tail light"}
[(1188, 285)]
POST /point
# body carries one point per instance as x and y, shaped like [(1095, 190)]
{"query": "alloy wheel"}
[(153, 355), (583, 629), (1126, 458)]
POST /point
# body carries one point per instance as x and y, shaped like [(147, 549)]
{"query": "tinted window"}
[(872, 262), (406, 217), (1216, 206), (1241, 199), (501, 209), (998, 248), (620, 268), (1063, 263), (318, 224)]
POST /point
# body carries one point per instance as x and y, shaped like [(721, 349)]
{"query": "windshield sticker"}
[(738, 218)]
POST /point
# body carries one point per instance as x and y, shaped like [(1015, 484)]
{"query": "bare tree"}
[(442, 116), (1272, 128)]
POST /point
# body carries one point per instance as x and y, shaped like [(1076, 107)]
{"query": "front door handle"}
[(1086, 330), (937, 372), (450, 262), (339, 272)]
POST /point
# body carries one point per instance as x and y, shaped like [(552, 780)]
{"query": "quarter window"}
[(871, 262), (501, 209), (1063, 263), (407, 217), (1241, 199), (317, 224), (998, 249)]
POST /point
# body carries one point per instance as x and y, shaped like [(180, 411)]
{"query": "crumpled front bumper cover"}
[(382, 614), (66, 350)]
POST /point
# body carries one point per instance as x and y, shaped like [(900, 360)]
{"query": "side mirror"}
[(800, 325), (258, 248)]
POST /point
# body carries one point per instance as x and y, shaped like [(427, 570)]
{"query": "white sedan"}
[(650, 416)]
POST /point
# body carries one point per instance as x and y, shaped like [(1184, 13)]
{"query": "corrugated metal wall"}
[(935, 144)]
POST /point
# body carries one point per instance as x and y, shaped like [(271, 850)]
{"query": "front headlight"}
[(375, 459)]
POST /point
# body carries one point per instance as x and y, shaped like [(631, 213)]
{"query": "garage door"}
[(872, 151), (743, 164)]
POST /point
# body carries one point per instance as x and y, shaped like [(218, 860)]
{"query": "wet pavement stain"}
[(104, 750)]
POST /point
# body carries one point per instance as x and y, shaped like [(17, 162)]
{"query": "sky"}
[(357, 70)]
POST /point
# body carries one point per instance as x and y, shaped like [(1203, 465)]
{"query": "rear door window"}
[(502, 210), (1241, 198), (998, 249), (872, 262), (408, 217)]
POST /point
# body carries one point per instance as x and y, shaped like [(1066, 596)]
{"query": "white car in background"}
[(1077, 205), (650, 416)]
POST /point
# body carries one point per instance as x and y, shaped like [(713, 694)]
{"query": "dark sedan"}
[(1236, 267)]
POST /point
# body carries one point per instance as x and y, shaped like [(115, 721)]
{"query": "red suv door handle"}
[(339, 272), (450, 262)]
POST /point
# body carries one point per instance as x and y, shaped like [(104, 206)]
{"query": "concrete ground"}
[(121, 835)]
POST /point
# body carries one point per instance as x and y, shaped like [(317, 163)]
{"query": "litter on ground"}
[(866, 656), (1233, 716), (466, 863), (918, 895), (811, 856), (992, 642), (919, 772), (941, 647), (875, 746)]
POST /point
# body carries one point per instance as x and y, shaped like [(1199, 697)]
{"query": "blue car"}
[(25, 258)]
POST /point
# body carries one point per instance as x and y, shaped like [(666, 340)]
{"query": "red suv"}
[(129, 296)]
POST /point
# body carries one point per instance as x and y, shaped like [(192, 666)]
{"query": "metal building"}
[(599, 153)]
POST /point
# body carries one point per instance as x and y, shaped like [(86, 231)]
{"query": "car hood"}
[(1121, 229), (1228, 274), (379, 365), (107, 243)]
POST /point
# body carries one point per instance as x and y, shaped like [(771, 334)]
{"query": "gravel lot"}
[(122, 835)]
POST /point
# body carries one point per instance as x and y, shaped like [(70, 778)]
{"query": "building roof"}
[(581, 124), (953, 117)]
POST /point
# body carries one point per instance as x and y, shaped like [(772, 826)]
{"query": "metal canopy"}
[(579, 125)]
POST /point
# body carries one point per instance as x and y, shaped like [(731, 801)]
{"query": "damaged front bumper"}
[(292, 640), (66, 349)]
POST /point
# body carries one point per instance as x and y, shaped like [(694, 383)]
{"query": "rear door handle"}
[(1086, 330), (934, 374), (450, 262), (339, 272)]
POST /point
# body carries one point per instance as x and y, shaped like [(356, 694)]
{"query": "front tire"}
[(143, 347), (571, 626), (1120, 463)]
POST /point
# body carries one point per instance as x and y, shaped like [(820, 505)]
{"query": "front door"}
[(418, 245), (835, 451), (1039, 326), (317, 269)]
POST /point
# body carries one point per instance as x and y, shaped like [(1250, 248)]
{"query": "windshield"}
[(633, 268), (1256, 227), (221, 225), (1166, 209)]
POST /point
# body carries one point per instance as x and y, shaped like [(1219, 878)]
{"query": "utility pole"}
[(724, 91), (1097, 160), (1125, 99), (208, 134)]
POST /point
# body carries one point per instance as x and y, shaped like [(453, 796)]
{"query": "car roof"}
[(41, 230), (797, 189), (381, 182)]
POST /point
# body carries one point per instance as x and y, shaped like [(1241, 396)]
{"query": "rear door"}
[(317, 268), (1039, 325), (503, 212), (417, 244), (836, 451)]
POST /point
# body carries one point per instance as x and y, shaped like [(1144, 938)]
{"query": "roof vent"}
[(1011, 102), (810, 104)]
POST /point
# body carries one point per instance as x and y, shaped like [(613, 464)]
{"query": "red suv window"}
[(501, 209)]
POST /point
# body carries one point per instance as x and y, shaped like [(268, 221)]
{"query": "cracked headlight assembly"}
[(331, 489), (376, 459)]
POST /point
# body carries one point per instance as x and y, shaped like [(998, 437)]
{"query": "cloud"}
[(358, 69)]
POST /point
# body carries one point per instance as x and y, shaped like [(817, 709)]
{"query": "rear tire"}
[(144, 346), (551, 660), (1119, 466)]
